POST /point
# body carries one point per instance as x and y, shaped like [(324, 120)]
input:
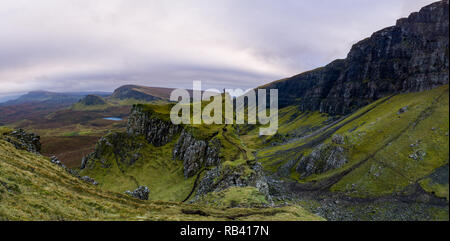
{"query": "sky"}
[(85, 45)]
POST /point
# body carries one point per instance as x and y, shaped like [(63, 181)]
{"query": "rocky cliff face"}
[(413, 55), (323, 158), (224, 176), (196, 153), (156, 130), (125, 149)]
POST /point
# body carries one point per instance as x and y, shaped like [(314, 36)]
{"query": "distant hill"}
[(90, 102), (141, 93), (37, 104), (8, 98), (51, 97)]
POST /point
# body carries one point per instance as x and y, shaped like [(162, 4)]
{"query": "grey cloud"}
[(98, 45)]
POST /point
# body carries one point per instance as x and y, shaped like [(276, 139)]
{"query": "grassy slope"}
[(392, 138), (292, 125), (380, 139), (31, 188), (234, 197)]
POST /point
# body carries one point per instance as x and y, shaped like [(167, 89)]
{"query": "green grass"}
[(32, 188), (292, 125), (381, 139), (391, 139), (235, 197), (4, 130), (154, 168), (440, 190)]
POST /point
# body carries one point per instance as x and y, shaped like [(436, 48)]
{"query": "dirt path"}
[(195, 185)]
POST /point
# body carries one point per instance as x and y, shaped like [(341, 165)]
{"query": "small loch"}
[(113, 118)]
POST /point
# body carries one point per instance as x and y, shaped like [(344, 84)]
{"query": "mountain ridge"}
[(49, 97)]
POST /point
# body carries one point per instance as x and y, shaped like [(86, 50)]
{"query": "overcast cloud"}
[(85, 45)]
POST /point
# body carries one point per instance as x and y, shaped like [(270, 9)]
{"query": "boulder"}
[(223, 177), (141, 192), (323, 158), (402, 110), (89, 180)]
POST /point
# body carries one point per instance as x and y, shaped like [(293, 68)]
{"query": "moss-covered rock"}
[(325, 157), (234, 174)]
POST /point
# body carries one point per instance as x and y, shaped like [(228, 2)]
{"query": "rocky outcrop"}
[(413, 55), (325, 157), (196, 153), (23, 140), (212, 157), (156, 130), (89, 180), (141, 192), (224, 176), (56, 161), (124, 147)]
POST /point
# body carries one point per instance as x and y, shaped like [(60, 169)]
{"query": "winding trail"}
[(195, 185)]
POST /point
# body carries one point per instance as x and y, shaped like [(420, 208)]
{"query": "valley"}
[(362, 138)]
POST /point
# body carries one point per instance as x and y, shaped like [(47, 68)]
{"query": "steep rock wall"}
[(413, 55)]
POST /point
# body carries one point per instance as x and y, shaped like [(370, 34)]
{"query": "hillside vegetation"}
[(123, 161), (388, 149), (363, 138), (33, 188)]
